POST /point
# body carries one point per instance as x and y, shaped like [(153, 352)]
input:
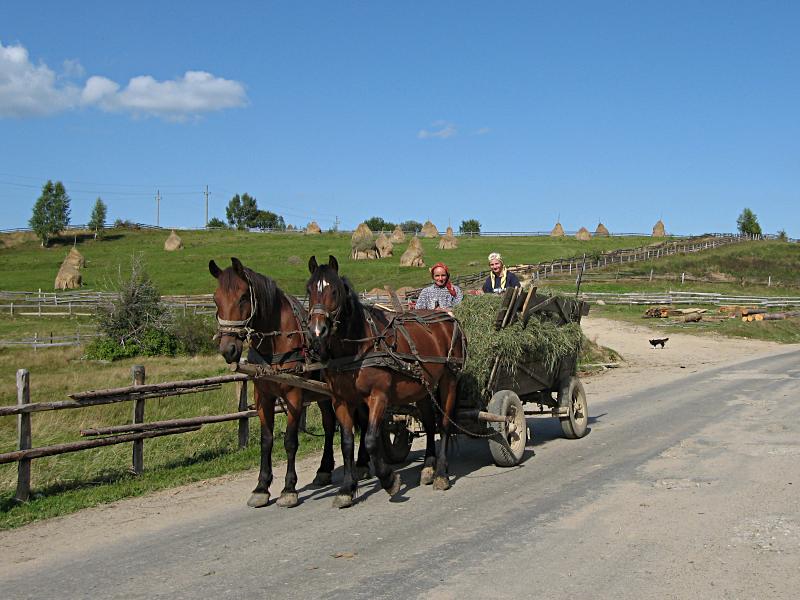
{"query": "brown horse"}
[(373, 358), (250, 306)]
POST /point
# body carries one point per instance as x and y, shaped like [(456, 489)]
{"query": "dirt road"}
[(686, 487)]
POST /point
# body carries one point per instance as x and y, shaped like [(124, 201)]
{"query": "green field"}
[(27, 266)]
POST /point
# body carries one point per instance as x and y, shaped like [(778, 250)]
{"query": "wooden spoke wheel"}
[(508, 444), (572, 397)]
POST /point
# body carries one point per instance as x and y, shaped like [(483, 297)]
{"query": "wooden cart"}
[(532, 390)]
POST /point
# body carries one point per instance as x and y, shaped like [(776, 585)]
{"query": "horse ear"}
[(333, 263), (237, 265), (214, 269), (312, 264)]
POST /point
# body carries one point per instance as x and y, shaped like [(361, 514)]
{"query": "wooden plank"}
[(31, 453)]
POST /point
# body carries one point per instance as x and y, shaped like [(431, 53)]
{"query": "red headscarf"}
[(448, 285)]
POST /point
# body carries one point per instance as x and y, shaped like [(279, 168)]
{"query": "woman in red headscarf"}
[(442, 294)]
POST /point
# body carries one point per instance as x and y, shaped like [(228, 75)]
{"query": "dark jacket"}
[(492, 283)]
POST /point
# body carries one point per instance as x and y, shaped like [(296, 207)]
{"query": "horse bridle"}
[(239, 329), (319, 309)]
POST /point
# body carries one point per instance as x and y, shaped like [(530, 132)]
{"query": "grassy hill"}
[(25, 265)]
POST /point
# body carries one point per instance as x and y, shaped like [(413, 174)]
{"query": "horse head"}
[(327, 295), (236, 307)]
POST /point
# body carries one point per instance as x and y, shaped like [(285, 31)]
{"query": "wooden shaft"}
[(24, 436), (264, 372), (9, 457), (170, 424), (137, 465)]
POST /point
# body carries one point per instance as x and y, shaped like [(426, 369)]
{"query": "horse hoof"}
[(322, 479), (288, 500), (426, 477), (258, 499), (394, 486), (441, 483), (342, 501), (363, 473)]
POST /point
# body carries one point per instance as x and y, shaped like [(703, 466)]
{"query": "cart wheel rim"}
[(579, 413)]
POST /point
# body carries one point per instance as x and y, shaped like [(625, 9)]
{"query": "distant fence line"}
[(674, 297)]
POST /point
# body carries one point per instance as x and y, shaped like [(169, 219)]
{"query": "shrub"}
[(215, 223), (378, 224), (195, 334), (747, 223), (158, 342), (412, 226), (470, 226), (105, 348)]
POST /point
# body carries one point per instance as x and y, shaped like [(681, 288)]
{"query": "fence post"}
[(24, 435), (244, 423), (769, 281), (138, 417)]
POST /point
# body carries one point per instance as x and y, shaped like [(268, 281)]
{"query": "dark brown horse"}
[(250, 306), (380, 358)]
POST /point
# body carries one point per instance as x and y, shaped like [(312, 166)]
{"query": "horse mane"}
[(265, 289)]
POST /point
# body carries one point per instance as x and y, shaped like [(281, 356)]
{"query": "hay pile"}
[(69, 274), (429, 230), (412, 257), (601, 231), (583, 234), (658, 229), (449, 241), (173, 242), (362, 244), (312, 228), (75, 258), (398, 237), (558, 231), (541, 341), (384, 246)]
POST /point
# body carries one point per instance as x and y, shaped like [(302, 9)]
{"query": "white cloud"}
[(29, 90), (440, 129)]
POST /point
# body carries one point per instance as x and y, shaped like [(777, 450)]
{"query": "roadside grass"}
[(786, 331), (68, 482), (27, 266)]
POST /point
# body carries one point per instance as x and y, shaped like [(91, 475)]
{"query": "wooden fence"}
[(134, 433), (673, 297)]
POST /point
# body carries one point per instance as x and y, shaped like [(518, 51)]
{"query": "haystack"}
[(313, 228), (398, 237), (384, 246), (429, 230), (68, 278), (362, 244), (601, 231), (558, 231), (75, 258), (449, 241), (583, 234), (412, 257), (174, 242), (658, 229)]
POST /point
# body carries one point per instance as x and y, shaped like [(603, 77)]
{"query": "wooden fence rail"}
[(135, 433)]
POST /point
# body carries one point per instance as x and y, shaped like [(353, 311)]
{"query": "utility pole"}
[(206, 194), (336, 223), (158, 207)]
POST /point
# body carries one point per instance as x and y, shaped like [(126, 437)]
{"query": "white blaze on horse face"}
[(321, 285), (317, 325)]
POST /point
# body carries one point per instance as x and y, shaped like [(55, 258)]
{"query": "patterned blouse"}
[(434, 296)]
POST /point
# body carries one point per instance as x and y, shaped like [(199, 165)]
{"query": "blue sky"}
[(514, 113)]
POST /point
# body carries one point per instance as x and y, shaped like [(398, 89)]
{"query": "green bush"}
[(107, 349), (195, 334), (156, 342)]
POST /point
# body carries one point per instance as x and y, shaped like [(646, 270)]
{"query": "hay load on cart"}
[(523, 350)]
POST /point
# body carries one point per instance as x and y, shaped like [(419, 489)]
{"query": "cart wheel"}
[(396, 441), (573, 397), (508, 444)]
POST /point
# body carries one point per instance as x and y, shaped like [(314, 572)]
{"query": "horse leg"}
[(294, 410), (323, 476), (429, 422), (265, 404), (447, 401), (344, 497), (390, 481), (362, 461)]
